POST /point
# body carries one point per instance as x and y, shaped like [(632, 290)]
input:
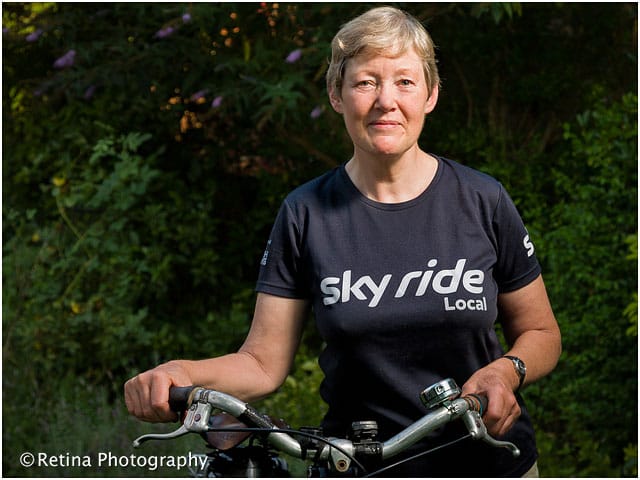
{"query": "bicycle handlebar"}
[(442, 400), (179, 398)]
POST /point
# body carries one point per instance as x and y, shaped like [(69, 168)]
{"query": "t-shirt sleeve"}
[(517, 265), (280, 267)]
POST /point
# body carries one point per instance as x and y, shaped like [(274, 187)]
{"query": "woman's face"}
[(384, 101)]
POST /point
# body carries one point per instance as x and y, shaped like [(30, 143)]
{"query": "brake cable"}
[(418, 455)]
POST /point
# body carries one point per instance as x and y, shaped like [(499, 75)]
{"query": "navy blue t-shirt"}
[(405, 295)]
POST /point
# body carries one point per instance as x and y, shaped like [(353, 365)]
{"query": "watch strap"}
[(519, 367)]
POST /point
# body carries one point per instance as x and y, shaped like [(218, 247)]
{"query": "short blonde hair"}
[(383, 30)]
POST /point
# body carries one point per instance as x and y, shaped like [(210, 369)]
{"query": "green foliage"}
[(631, 312), (81, 421), (497, 10), (147, 147), (298, 400), (592, 281), (88, 264)]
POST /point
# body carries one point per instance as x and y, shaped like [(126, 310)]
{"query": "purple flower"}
[(164, 32), (186, 18), (66, 60), (33, 36), (198, 95), (294, 56), (88, 93), (216, 102), (316, 112)]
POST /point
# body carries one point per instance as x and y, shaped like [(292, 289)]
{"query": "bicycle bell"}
[(440, 393)]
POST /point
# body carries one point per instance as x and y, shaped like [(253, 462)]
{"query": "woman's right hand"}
[(147, 394)]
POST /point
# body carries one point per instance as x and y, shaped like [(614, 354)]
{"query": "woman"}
[(406, 259)]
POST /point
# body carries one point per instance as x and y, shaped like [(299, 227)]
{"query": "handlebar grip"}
[(179, 398), (480, 403)]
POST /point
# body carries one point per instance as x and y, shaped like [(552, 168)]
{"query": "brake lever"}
[(478, 431), (160, 436), (196, 420)]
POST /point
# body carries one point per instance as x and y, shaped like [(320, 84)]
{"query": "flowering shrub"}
[(65, 61)]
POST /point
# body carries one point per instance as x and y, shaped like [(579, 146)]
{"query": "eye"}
[(405, 82), (365, 84)]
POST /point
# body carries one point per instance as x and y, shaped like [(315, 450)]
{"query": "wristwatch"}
[(521, 368)]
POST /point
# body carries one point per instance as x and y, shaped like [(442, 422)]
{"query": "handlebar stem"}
[(339, 460)]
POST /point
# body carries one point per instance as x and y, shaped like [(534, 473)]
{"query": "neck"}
[(392, 180)]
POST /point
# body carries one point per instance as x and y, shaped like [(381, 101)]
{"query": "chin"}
[(385, 148), (388, 151), (390, 147)]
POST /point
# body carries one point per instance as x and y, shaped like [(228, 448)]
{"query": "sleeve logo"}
[(265, 255), (528, 245)]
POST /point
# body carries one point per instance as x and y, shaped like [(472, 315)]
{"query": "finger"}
[(131, 396), (141, 396), (496, 413), (128, 397), (506, 421), (159, 398), (138, 398), (494, 416)]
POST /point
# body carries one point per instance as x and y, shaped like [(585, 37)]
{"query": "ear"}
[(336, 100), (432, 100)]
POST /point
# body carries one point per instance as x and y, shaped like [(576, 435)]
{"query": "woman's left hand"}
[(496, 382), (531, 330)]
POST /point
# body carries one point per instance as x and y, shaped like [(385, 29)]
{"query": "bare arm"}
[(533, 335), (257, 369), (531, 329)]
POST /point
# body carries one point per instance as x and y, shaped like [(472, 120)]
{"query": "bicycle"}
[(247, 443)]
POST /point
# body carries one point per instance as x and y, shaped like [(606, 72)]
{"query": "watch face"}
[(519, 364), (520, 368)]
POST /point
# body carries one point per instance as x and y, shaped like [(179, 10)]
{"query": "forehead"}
[(372, 62)]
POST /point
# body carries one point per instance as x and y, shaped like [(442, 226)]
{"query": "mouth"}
[(383, 124)]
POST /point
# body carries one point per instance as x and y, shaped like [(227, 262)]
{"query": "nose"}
[(385, 99)]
